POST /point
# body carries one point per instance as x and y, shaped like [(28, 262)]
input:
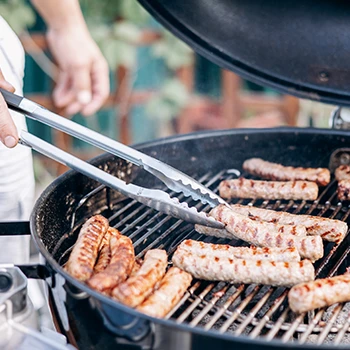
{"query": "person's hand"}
[(83, 82), (8, 130)]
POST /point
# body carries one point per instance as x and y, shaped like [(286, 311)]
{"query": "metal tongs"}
[(154, 198)]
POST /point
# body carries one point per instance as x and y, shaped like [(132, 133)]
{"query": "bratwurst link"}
[(84, 254), (259, 234), (295, 230), (104, 256), (319, 293), (274, 171), (137, 288), (119, 268), (273, 273), (250, 253), (245, 188), (329, 229), (171, 289)]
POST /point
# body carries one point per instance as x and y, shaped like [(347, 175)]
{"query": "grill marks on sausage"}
[(243, 188), (245, 271), (329, 229), (104, 256), (171, 289), (137, 288), (120, 266), (84, 254), (319, 293), (204, 250), (274, 171), (265, 234)]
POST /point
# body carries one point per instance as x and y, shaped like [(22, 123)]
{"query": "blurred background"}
[(159, 86)]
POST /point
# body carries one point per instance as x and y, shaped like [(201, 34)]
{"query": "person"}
[(82, 86)]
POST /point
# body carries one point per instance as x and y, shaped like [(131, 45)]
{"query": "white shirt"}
[(16, 165)]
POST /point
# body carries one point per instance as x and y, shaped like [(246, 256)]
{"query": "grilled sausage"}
[(295, 230), (329, 229), (260, 234), (171, 289), (249, 253), (83, 256), (136, 289), (119, 268), (342, 175), (342, 172), (274, 171), (215, 232), (245, 188), (343, 190), (274, 273), (104, 256), (319, 293)]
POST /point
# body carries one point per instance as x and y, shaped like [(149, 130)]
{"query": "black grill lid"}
[(300, 47)]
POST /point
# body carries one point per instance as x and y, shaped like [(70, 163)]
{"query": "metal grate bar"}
[(237, 312), (253, 312), (222, 310)]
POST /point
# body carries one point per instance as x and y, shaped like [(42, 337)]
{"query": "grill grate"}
[(252, 310)]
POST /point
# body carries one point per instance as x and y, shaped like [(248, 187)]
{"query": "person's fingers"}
[(5, 84), (8, 131), (99, 86), (63, 94), (81, 84), (73, 108)]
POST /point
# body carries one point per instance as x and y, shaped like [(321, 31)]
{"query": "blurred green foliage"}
[(18, 14)]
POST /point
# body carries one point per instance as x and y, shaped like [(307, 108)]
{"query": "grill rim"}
[(259, 341)]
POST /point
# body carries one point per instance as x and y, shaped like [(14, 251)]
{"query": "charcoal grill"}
[(209, 314)]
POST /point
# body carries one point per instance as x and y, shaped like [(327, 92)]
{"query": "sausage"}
[(136, 267), (245, 188), (214, 268), (319, 293), (171, 289), (104, 256), (82, 259), (274, 171), (261, 234), (329, 229), (136, 289), (342, 172), (343, 190), (251, 253), (342, 175), (215, 232), (295, 230), (120, 266)]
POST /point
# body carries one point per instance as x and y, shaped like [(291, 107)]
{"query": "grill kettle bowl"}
[(94, 320)]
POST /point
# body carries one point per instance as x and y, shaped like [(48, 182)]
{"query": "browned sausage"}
[(84, 254), (136, 289), (319, 293), (260, 234), (171, 289), (215, 268), (249, 253), (245, 188), (274, 171), (329, 229), (342, 173), (104, 256), (120, 266)]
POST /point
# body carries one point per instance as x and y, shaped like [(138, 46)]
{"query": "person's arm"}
[(83, 82)]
